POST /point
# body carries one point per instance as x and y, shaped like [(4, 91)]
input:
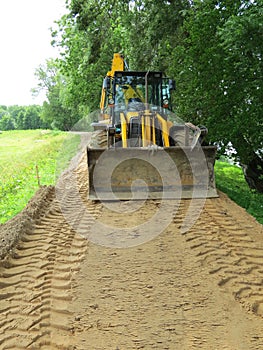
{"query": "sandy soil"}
[(200, 288)]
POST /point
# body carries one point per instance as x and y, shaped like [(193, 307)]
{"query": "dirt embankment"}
[(14, 229), (195, 289)]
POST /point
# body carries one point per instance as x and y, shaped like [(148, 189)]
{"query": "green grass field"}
[(230, 180), (22, 151), (27, 158)]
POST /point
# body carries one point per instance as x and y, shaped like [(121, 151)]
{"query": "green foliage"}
[(66, 152), (143, 31), (84, 62), (21, 117), (230, 180), (20, 152), (220, 77), (7, 123), (152, 32), (220, 71), (212, 48), (57, 112)]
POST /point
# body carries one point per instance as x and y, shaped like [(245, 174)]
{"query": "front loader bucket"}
[(151, 173)]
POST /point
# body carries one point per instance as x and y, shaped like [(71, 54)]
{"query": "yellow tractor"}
[(139, 148)]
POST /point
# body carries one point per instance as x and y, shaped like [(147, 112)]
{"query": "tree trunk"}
[(253, 172)]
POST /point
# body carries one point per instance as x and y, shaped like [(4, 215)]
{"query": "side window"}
[(119, 95), (165, 90)]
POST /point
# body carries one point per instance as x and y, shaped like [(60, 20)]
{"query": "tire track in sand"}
[(230, 243), (35, 284), (177, 291), (169, 293)]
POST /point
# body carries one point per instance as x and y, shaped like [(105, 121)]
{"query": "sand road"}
[(61, 287)]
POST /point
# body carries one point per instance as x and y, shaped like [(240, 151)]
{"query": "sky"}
[(24, 45)]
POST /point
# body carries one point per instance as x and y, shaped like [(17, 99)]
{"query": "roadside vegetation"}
[(21, 117), (29, 159), (230, 180)]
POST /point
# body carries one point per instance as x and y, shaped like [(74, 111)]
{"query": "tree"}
[(7, 123), (15, 112), (144, 31), (85, 36), (21, 117), (57, 113), (31, 117), (220, 77), (212, 48)]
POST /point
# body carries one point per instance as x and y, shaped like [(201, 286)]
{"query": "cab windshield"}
[(138, 87)]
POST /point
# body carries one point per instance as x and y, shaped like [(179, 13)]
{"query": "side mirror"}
[(172, 84), (106, 83)]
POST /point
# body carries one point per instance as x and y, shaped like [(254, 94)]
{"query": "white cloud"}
[(25, 44)]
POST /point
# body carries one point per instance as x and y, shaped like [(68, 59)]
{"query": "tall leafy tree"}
[(7, 123), (86, 37), (21, 117), (219, 65), (144, 31), (153, 27), (212, 48), (57, 111)]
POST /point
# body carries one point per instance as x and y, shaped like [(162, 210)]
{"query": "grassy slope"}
[(230, 179), (20, 152)]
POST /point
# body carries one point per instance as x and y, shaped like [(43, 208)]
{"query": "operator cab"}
[(141, 87)]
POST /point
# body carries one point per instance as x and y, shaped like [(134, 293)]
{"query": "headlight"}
[(165, 102)]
